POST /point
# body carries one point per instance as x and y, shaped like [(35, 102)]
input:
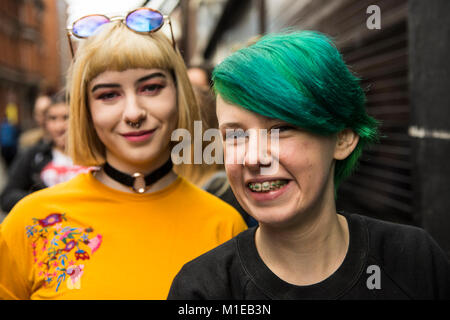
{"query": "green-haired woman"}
[(297, 82)]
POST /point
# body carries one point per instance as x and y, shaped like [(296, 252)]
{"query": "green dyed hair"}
[(299, 77)]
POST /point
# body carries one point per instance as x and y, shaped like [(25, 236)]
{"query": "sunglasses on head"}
[(142, 20)]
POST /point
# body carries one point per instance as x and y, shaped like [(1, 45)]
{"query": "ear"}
[(346, 142)]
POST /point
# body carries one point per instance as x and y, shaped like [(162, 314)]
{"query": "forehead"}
[(56, 109), (230, 115), (42, 102)]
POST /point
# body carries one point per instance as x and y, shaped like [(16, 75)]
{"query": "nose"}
[(256, 149), (262, 152), (133, 111)]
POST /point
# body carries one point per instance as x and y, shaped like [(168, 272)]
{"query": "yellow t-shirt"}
[(83, 240)]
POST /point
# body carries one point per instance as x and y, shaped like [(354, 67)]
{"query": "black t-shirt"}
[(384, 261)]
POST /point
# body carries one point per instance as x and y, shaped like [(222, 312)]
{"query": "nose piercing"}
[(135, 125)]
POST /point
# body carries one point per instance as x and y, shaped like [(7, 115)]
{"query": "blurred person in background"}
[(9, 134), (200, 77), (46, 163), (36, 135), (122, 231), (212, 177)]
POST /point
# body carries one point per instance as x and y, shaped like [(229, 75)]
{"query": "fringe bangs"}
[(117, 48)]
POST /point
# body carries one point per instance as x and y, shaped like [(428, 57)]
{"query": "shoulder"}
[(390, 237), (30, 152), (216, 258), (60, 191), (39, 147), (38, 207), (40, 202), (409, 256), (202, 195), (216, 274), (35, 154), (30, 137), (207, 203)]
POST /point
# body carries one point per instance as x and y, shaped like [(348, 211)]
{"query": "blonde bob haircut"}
[(116, 48)]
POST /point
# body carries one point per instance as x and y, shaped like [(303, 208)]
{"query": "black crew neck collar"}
[(331, 288)]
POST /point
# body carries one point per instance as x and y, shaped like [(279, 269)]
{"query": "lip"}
[(267, 196), (138, 136)]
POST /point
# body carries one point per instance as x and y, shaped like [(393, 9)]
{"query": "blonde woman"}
[(122, 231)]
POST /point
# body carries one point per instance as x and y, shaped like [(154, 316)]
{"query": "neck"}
[(308, 252), (133, 167)]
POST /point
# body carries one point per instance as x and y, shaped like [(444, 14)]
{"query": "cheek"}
[(233, 154), (103, 118), (234, 173), (50, 127), (166, 112), (295, 157), (306, 162), (172, 116)]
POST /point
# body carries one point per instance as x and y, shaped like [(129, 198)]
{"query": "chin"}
[(143, 157), (275, 217)]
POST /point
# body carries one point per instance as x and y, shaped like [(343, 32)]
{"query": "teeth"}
[(267, 186)]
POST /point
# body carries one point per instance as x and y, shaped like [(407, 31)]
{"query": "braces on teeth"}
[(266, 185)]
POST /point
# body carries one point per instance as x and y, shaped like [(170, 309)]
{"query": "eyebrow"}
[(116, 85), (237, 125), (230, 125), (150, 76)]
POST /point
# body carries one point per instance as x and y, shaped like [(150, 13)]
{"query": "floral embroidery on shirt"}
[(61, 251)]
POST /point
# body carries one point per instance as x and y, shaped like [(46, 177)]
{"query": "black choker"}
[(138, 182)]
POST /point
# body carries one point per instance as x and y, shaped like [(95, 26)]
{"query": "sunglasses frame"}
[(123, 19)]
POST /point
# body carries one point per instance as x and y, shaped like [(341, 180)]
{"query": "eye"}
[(151, 89), (232, 135), (283, 127), (106, 96)]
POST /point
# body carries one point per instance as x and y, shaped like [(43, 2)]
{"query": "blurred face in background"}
[(41, 104), (56, 123), (198, 78)]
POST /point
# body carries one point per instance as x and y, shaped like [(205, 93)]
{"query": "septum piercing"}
[(135, 125)]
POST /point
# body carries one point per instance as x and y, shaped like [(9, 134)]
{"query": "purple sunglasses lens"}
[(144, 20), (87, 26)]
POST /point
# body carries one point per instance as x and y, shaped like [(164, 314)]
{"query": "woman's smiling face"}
[(304, 173), (118, 99)]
